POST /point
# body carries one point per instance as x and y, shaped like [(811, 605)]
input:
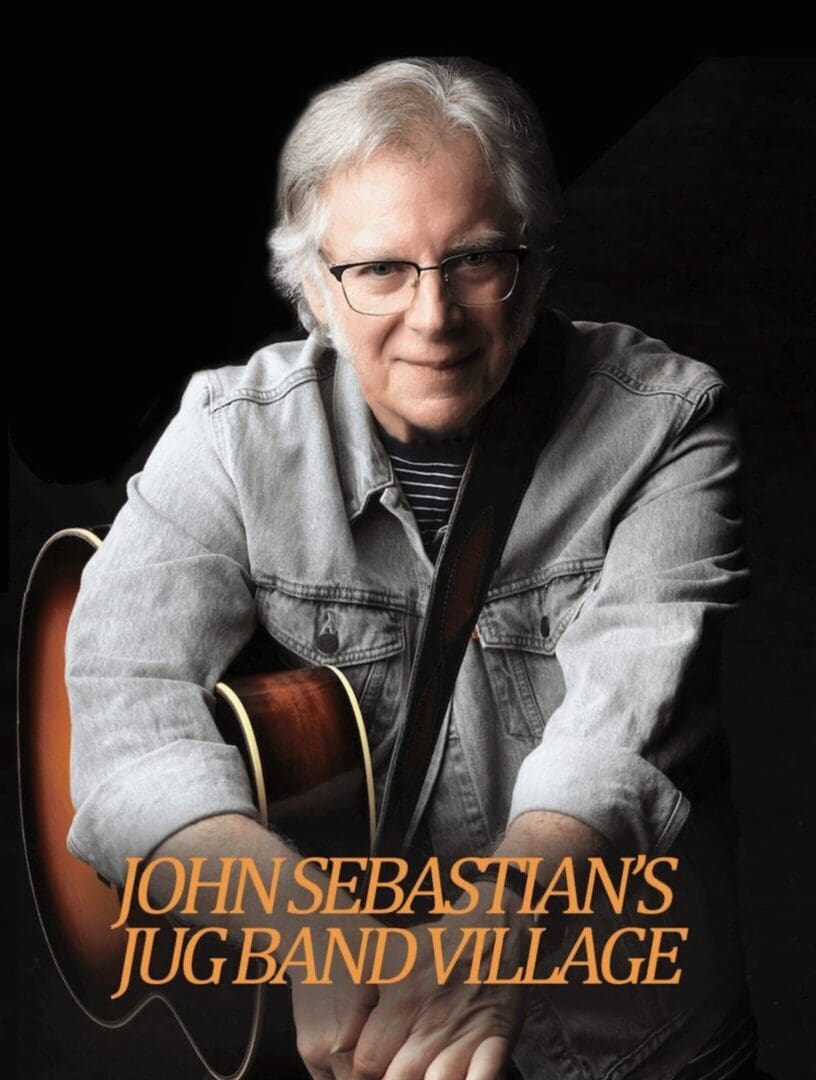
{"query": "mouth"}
[(444, 363)]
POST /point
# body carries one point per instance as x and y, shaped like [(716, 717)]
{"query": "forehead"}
[(405, 205)]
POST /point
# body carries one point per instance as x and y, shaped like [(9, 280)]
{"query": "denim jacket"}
[(589, 687)]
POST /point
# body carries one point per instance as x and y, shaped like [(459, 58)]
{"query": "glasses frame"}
[(337, 272)]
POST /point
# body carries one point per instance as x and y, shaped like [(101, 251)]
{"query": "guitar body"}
[(303, 741)]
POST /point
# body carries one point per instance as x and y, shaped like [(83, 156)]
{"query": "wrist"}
[(499, 904), (509, 889)]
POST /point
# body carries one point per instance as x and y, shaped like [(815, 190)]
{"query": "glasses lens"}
[(379, 288), (481, 277), (473, 279)]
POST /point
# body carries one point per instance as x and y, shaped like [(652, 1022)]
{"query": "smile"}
[(445, 364)]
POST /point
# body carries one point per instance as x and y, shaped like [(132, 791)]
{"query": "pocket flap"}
[(533, 617), (325, 630)]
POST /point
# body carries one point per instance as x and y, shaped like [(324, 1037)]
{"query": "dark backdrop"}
[(689, 188)]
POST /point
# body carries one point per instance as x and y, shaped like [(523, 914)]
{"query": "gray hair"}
[(388, 105)]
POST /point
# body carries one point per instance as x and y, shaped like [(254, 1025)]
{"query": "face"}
[(428, 371)]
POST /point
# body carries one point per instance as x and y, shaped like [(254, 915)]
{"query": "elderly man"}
[(310, 491)]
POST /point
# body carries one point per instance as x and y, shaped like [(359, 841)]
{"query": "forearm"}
[(543, 835), (239, 836), (551, 837)]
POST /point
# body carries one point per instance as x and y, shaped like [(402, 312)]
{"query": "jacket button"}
[(327, 641), (545, 626)]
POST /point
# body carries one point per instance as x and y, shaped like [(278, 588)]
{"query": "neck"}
[(408, 435), (419, 443)]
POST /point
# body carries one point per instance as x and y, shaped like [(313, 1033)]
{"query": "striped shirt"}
[(429, 475)]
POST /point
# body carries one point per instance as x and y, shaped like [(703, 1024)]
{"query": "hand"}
[(420, 1029), (333, 1015), (327, 1018)]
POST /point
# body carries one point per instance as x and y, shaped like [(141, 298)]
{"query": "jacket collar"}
[(364, 465)]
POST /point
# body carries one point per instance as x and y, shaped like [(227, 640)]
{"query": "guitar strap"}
[(516, 427)]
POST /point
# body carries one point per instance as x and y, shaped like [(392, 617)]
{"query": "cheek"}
[(360, 342), (372, 369), (498, 333)]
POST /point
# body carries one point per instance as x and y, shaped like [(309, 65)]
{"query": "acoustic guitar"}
[(303, 740)]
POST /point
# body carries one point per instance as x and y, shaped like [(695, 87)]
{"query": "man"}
[(310, 489)]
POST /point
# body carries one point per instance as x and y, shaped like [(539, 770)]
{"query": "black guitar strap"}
[(516, 427)]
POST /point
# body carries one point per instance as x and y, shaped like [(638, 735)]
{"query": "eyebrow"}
[(487, 238)]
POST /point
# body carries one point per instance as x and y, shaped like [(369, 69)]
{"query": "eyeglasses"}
[(386, 287)]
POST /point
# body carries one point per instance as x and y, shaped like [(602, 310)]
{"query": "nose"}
[(433, 310)]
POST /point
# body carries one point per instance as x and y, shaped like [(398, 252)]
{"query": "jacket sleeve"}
[(637, 732), (163, 607)]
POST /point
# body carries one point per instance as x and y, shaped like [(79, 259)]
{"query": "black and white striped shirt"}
[(429, 475)]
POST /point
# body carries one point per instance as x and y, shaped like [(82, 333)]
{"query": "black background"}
[(690, 179)]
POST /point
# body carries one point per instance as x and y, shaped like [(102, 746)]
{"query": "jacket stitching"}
[(532, 643), (677, 809), (690, 394), (570, 568), (214, 426), (267, 397), (339, 593), (684, 423), (391, 647), (535, 718)]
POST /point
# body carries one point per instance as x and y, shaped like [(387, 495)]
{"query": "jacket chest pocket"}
[(519, 632), (361, 639)]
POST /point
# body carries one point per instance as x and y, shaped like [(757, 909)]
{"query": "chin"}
[(432, 424)]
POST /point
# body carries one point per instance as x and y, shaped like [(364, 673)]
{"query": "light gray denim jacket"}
[(590, 689)]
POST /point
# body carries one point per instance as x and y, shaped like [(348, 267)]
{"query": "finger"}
[(385, 1031), (489, 1059), (451, 1063), (351, 1013), (460, 1061), (428, 1058), (315, 1026), (341, 1063), (317, 1073)]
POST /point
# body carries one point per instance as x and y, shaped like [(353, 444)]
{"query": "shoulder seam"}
[(690, 394), (275, 393), (210, 375), (704, 394)]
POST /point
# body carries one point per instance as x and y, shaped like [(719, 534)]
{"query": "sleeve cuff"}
[(139, 806), (611, 788)]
